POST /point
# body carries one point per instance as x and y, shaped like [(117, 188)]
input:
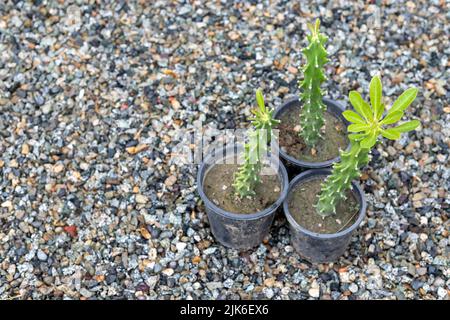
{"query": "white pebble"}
[(181, 246), (442, 292), (314, 292), (353, 288)]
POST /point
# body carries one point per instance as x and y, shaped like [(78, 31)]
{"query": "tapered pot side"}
[(317, 247), (294, 165), (236, 230)]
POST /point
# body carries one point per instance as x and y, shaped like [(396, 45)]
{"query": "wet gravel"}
[(91, 99)]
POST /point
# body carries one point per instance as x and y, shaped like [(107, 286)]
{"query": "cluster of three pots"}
[(312, 138), (237, 228)]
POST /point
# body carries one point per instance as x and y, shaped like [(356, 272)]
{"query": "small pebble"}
[(314, 292), (168, 272), (42, 255)]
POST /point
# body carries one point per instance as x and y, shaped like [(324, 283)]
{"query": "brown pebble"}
[(170, 181), (137, 149), (25, 149), (292, 70), (398, 78)]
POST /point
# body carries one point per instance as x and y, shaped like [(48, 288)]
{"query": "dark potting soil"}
[(218, 188), (301, 206), (333, 137)]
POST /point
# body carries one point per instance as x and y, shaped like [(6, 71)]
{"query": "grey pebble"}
[(42, 255)]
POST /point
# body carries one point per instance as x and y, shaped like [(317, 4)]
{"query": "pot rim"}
[(308, 164), (309, 174), (282, 173)]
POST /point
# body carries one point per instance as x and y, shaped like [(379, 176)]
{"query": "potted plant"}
[(241, 199), (324, 207), (312, 128)]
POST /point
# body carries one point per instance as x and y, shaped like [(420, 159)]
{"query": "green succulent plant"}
[(367, 125), (248, 175), (263, 116), (311, 115)]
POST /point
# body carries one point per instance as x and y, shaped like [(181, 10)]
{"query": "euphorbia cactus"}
[(248, 175), (311, 115), (367, 125)]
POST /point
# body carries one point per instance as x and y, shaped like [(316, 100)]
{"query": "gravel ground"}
[(91, 98)]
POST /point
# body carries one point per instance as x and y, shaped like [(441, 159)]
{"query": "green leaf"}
[(356, 136), (317, 25), (369, 142), (260, 100), (404, 100), (375, 95), (380, 112), (390, 134), (407, 126), (368, 110), (360, 105), (357, 127), (353, 117), (392, 117)]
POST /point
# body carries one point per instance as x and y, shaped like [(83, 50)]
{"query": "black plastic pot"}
[(239, 231), (293, 165), (317, 247)]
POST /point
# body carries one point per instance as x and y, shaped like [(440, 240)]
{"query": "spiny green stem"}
[(248, 175), (311, 115)]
